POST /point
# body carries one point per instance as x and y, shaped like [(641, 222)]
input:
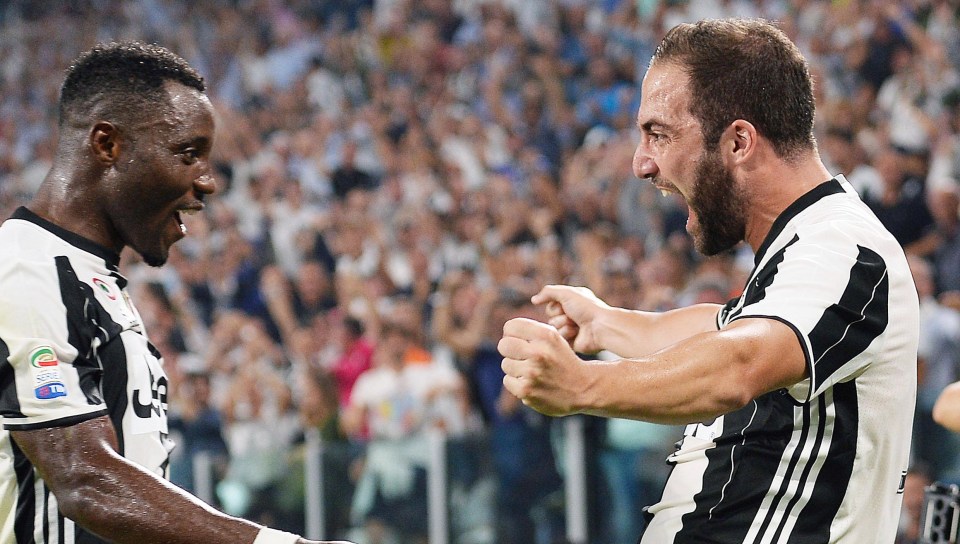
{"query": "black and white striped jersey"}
[(822, 461), (72, 348)]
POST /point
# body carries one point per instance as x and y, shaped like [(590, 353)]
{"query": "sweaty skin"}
[(676, 366)]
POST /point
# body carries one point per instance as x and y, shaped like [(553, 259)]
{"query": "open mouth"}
[(178, 216), (179, 219), (666, 189)]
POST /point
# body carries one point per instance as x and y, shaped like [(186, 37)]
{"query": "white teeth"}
[(183, 228), (190, 211), (664, 192)]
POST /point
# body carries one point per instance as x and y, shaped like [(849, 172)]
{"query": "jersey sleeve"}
[(45, 379), (832, 291)]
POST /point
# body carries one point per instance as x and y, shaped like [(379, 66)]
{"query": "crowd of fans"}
[(397, 177)]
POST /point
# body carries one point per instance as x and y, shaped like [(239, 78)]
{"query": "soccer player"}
[(84, 447), (799, 393)]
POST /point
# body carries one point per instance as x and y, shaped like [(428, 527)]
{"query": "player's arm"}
[(590, 325), (946, 411), (695, 379), (118, 500), (636, 333)]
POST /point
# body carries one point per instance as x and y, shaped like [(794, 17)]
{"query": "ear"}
[(105, 142), (739, 141)]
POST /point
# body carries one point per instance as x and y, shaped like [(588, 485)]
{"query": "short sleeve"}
[(833, 293), (44, 380)]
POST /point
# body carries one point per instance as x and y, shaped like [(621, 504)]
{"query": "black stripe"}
[(9, 399), (805, 475), (827, 188), (88, 319), (110, 257), (46, 519), (26, 498), (756, 290), (59, 422), (740, 470), (813, 524), (787, 476), (849, 326)]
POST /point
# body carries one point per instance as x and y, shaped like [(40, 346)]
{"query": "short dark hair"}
[(745, 69), (130, 75)]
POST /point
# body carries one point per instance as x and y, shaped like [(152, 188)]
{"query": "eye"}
[(190, 155)]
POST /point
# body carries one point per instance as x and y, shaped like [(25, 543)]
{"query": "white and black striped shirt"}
[(72, 348), (823, 460)]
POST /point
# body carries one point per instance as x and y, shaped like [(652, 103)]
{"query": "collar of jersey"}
[(112, 258), (827, 188)]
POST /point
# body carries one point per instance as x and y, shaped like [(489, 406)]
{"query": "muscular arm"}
[(634, 333), (118, 500), (695, 379)]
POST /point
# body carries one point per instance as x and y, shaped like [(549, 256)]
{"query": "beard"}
[(718, 205)]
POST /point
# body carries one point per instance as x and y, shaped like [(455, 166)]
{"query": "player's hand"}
[(573, 312), (541, 369)]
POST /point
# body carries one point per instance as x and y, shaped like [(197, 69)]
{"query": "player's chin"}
[(154, 259), (156, 255)]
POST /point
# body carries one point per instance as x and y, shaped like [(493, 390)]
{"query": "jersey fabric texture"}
[(72, 348), (822, 461)]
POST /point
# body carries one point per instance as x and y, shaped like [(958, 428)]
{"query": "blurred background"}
[(397, 178)]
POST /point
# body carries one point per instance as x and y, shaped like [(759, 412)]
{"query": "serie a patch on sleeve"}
[(47, 381)]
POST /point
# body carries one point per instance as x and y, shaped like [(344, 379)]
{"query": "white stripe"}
[(723, 491), (819, 458), (815, 459), (69, 531), (39, 518), (53, 515), (778, 478), (793, 484)]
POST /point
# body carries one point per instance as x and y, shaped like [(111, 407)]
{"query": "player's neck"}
[(775, 189), (65, 204)]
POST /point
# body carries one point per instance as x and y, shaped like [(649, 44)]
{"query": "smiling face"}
[(672, 155), (161, 171)]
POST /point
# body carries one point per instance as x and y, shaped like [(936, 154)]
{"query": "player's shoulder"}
[(24, 254), (843, 220), (29, 276)]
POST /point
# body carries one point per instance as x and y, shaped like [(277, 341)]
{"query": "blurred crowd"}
[(397, 178)]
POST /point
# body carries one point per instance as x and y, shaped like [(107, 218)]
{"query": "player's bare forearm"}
[(118, 500), (699, 378), (634, 333), (696, 379)]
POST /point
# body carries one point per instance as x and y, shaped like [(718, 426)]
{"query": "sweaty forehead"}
[(184, 113), (188, 106), (665, 97)]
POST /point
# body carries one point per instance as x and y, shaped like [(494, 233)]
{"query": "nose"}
[(644, 166), (205, 184)]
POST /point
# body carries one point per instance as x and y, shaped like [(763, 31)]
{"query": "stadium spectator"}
[(446, 113)]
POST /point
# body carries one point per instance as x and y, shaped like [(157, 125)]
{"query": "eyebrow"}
[(650, 125)]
